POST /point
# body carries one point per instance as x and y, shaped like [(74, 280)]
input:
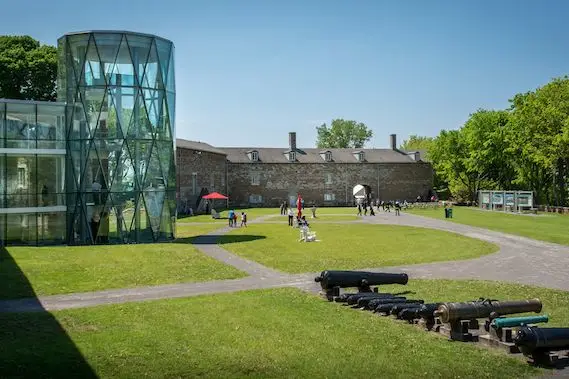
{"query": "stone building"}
[(259, 176)]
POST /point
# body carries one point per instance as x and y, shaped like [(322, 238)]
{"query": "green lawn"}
[(349, 246), (29, 271), (262, 334), (544, 227)]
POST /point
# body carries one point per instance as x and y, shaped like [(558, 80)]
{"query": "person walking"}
[(397, 208), (230, 217), (244, 219), (290, 217), (359, 209), (313, 209)]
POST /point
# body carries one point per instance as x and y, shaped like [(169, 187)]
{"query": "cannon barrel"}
[(343, 298), (424, 311), (399, 307), (368, 303), (344, 279), (510, 322), (386, 308), (529, 339), (449, 312), (351, 300)]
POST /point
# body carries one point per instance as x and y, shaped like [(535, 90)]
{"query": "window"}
[(292, 156), (21, 177), (328, 178), (194, 183), (328, 156), (329, 197), (359, 156), (255, 178), (254, 156), (255, 199)]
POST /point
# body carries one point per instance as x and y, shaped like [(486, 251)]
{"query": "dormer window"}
[(359, 155), (253, 155), (292, 156), (326, 155)]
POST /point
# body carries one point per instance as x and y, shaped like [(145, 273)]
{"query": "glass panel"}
[(21, 181), (51, 227), (2, 124), (21, 126), (50, 180), (108, 47), (171, 82), (164, 51), (51, 126), (2, 181), (77, 45), (139, 49), (22, 228)]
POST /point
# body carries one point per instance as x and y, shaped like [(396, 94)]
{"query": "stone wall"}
[(197, 170), (262, 184)]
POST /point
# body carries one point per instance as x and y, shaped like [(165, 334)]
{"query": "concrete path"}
[(519, 260)]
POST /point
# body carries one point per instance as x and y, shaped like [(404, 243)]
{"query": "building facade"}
[(99, 165), (270, 176)]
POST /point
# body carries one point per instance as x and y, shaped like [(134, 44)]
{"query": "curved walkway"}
[(519, 260)]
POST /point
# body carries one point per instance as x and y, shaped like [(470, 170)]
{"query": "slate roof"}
[(199, 146), (277, 155)]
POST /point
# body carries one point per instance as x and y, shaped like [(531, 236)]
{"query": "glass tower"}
[(120, 136)]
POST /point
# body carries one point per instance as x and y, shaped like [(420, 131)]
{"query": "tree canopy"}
[(523, 147), (28, 70), (343, 134)]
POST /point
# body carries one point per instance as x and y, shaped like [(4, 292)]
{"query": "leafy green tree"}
[(343, 134), (28, 70), (416, 142)]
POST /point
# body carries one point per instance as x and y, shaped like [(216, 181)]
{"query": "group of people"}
[(385, 205), (232, 217)]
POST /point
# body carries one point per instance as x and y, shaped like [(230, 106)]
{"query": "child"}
[(235, 219), (243, 219)]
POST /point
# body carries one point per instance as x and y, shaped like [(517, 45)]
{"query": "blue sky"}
[(250, 71)]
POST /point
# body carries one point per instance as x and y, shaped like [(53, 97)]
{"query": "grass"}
[(254, 213), (544, 227), (350, 246), (30, 271), (257, 334)]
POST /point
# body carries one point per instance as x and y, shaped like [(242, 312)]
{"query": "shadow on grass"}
[(34, 344), (220, 239)]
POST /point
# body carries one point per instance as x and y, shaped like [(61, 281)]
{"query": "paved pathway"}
[(519, 259)]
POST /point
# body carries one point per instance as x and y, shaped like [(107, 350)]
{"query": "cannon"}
[(510, 322), (500, 332), (461, 319), (425, 311), (386, 308), (397, 308), (370, 303), (331, 280), (353, 300), (343, 298), (449, 312), (548, 346)]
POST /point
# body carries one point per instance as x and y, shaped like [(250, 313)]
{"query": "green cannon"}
[(511, 322)]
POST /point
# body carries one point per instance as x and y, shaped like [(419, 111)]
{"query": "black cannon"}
[(364, 302), (343, 298), (542, 343), (397, 308), (352, 300), (425, 311), (331, 281), (449, 312), (461, 319), (376, 302), (386, 308)]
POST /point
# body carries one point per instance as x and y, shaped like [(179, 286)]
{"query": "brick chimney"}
[(292, 141), (393, 141)]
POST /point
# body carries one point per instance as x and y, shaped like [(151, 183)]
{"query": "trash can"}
[(449, 210), (446, 212)]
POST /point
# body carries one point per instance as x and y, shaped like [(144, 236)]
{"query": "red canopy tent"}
[(215, 196)]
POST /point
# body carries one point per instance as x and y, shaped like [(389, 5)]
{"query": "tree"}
[(343, 134), (28, 71), (416, 142)]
